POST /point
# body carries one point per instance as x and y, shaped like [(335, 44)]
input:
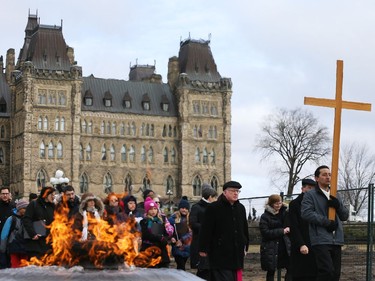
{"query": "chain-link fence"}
[(357, 253)]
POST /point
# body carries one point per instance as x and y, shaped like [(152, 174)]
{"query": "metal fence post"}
[(370, 220)]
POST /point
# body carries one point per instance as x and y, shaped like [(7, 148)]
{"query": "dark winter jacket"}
[(182, 232), (195, 220), (37, 210), (155, 234), (302, 265), (12, 240), (275, 245), (314, 209), (6, 210), (224, 234)]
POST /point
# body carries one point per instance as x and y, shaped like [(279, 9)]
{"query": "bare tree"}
[(356, 172), (295, 137)]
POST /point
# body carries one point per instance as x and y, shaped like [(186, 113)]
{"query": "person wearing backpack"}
[(12, 241)]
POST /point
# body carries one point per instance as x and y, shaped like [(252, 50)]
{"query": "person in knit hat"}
[(182, 236), (12, 240), (154, 232), (209, 195), (41, 212)]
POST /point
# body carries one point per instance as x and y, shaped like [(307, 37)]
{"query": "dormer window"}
[(127, 101), (88, 98), (107, 99), (146, 102), (164, 103)]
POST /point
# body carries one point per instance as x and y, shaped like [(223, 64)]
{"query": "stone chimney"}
[(70, 54), (173, 71), (1, 64), (10, 64)]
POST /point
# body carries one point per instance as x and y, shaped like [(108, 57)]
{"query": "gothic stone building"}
[(107, 134)]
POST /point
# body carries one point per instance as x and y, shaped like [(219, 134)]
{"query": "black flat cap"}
[(233, 184), (308, 182)]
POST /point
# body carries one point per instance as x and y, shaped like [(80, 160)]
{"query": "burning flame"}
[(121, 241)]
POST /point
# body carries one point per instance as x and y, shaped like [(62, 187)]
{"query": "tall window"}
[(108, 128), (40, 123), (104, 152), (59, 150), (84, 127), (214, 182), (169, 184), (41, 179), (102, 128), (133, 129), (114, 128), (165, 155), (2, 132), (143, 154), (107, 183), (45, 123), (197, 186), (197, 155), (89, 128), (88, 152), (80, 152), (57, 123), (50, 150), (213, 156), (2, 161), (132, 154), (83, 183), (128, 183), (205, 156), (113, 153), (123, 153), (122, 129), (173, 156), (150, 155), (42, 150), (62, 124)]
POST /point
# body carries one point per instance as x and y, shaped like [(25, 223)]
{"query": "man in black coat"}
[(6, 210), (302, 259), (209, 195), (224, 235)]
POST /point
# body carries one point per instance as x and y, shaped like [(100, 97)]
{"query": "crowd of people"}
[(213, 234)]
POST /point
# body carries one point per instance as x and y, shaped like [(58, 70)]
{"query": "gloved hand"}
[(333, 202), (332, 226)]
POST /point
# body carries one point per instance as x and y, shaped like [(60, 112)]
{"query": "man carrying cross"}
[(326, 235)]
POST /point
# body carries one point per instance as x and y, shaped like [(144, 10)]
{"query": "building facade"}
[(107, 134)]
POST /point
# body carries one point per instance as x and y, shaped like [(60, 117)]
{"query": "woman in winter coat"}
[(275, 245), (39, 212)]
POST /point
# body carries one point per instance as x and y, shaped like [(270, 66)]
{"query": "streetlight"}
[(170, 193)]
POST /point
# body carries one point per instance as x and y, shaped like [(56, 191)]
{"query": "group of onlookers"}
[(303, 239)]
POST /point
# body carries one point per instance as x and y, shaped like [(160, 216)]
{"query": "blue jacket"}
[(314, 209)]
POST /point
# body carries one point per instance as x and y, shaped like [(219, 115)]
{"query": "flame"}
[(119, 243)]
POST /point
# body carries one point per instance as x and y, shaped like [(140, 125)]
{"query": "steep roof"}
[(196, 60), (44, 46), (121, 90)]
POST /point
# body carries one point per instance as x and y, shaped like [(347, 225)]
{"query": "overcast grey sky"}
[(275, 52)]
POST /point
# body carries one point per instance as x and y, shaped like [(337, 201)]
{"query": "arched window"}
[(175, 131), (143, 154), (108, 128), (122, 129), (2, 132), (205, 156), (173, 156), (107, 183), (165, 155), (148, 130), (152, 130), (88, 152), (59, 150), (104, 152), (214, 182), (169, 131), (42, 150), (128, 184), (146, 183), (102, 128), (133, 129), (84, 127), (200, 131), (215, 132), (128, 129), (114, 129), (45, 123), (83, 183), (142, 132), (40, 123), (197, 155), (62, 124), (195, 131), (113, 153), (123, 154), (57, 123), (169, 185), (150, 155), (80, 152), (41, 179), (62, 98), (213, 156), (132, 154), (89, 127), (197, 186), (164, 134), (2, 160), (51, 153)]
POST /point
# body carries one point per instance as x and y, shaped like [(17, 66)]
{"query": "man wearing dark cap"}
[(302, 260), (224, 236)]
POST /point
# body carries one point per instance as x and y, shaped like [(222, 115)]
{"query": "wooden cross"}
[(338, 104)]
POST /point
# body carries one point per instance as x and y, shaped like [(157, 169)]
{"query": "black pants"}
[(181, 262), (271, 276), (223, 275), (328, 262)]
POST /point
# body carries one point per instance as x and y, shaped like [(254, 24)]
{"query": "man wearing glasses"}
[(6, 207), (224, 236)]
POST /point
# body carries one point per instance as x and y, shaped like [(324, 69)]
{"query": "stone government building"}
[(107, 134)]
